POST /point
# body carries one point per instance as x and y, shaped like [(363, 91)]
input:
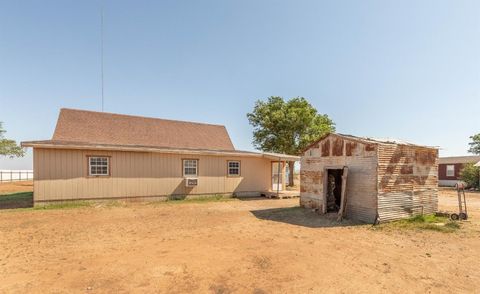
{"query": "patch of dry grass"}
[(422, 222)]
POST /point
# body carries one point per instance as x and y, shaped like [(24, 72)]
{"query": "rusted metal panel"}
[(407, 181), (370, 147), (361, 187), (337, 147), (326, 147), (350, 148)]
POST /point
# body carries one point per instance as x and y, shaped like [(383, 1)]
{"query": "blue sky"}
[(399, 69)]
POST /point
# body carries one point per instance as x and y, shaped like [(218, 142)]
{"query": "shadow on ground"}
[(254, 198), (16, 200), (302, 217)]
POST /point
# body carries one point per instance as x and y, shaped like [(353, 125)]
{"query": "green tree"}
[(9, 147), (470, 174), (287, 126), (475, 144)]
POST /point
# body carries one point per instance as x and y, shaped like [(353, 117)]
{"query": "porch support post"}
[(278, 177)]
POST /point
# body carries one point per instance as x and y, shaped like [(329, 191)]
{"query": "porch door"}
[(277, 176)]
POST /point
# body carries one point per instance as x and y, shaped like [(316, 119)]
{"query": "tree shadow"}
[(303, 217), (16, 200)]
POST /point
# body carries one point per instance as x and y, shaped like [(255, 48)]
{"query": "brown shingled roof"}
[(117, 129)]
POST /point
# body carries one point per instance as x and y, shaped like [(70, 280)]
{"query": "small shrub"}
[(470, 175)]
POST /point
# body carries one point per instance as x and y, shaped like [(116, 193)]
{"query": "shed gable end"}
[(337, 145)]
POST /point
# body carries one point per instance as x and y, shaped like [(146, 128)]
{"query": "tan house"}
[(97, 155), (371, 179)]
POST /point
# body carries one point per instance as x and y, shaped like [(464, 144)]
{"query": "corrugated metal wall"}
[(395, 180), (62, 175), (361, 160), (407, 181)]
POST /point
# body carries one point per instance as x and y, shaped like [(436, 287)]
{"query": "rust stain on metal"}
[(326, 148), (426, 157), (337, 147), (390, 169), (398, 155), (315, 176), (349, 147), (370, 147), (406, 170)]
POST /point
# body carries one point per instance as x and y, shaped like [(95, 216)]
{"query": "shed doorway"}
[(334, 190)]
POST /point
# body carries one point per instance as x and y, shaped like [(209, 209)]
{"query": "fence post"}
[(11, 176)]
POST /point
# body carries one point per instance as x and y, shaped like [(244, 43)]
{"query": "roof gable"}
[(117, 129)]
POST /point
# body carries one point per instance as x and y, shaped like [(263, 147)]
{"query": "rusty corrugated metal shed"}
[(388, 179)]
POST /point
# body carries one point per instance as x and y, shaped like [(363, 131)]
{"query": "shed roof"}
[(117, 129), (383, 140), (369, 140)]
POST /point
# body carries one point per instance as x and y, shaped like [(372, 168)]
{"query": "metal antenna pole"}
[(101, 32)]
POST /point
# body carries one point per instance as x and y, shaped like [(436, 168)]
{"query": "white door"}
[(277, 176)]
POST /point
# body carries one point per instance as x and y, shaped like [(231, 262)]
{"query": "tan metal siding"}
[(407, 181), (63, 175), (361, 183)]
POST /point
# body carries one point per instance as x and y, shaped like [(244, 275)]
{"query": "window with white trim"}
[(233, 168), (98, 166), (450, 170), (190, 167)]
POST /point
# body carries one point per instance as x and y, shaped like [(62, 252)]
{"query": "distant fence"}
[(15, 175)]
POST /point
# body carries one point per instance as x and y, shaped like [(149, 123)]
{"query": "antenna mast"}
[(101, 32)]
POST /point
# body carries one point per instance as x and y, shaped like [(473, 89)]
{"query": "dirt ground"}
[(12, 187), (254, 246)]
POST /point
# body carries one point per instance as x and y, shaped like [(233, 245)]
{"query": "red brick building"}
[(449, 168)]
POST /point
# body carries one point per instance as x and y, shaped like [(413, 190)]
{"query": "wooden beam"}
[(343, 199)]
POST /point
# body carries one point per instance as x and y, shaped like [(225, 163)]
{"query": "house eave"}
[(124, 148)]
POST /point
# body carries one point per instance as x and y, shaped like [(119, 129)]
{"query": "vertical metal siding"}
[(63, 175), (407, 181)]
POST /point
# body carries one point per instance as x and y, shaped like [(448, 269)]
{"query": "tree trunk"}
[(291, 168)]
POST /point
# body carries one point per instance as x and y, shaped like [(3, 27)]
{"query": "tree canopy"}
[(9, 147), (475, 144), (287, 126)]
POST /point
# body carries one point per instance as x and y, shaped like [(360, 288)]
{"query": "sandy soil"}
[(12, 187), (256, 246)]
